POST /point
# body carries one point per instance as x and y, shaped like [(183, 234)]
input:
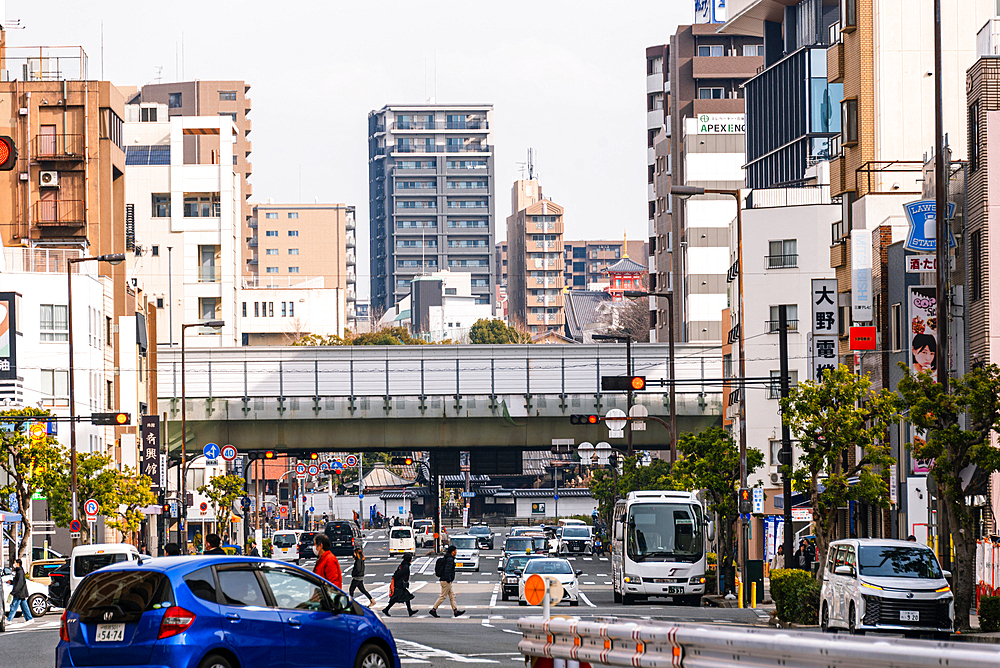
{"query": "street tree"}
[(710, 461), (132, 493), (494, 331), (956, 429), (222, 491), (96, 479), (829, 417), (25, 461)]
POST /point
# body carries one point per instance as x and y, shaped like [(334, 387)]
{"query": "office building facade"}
[(431, 197)]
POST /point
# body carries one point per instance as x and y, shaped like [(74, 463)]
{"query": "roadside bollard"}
[(740, 595), (753, 594)]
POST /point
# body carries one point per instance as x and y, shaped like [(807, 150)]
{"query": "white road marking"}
[(416, 587), (601, 575), (607, 582), (589, 583), (415, 650), (585, 558), (493, 599), (506, 631), (424, 567), (586, 600), (401, 661)]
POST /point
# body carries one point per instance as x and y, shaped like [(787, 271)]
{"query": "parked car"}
[(484, 535), (88, 558), (575, 539), (344, 536), (467, 552), (41, 569), (558, 568), (874, 584), (306, 550), (285, 546), (221, 612), (401, 540), (38, 594), (510, 574)]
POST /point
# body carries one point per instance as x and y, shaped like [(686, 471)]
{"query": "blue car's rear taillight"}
[(176, 620)]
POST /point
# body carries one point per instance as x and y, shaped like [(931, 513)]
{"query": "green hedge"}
[(989, 614), (796, 595)]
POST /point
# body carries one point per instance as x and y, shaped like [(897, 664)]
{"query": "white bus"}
[(658, 547)]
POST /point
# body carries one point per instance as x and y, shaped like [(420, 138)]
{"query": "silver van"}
[(875, 584)]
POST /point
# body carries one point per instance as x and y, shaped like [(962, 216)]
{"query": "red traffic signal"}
[(623, 383), (314, 456), (269, 454), (401, 461), (8, 154), (111, 419), (584, 419)]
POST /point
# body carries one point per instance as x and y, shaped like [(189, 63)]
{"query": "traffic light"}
[(260, 454), (110, 419), (269, 454), (313, 456), (623, 383), (584, 419), (746, 505), (8, 154), (402, 461)]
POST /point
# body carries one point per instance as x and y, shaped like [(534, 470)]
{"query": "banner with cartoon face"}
[(923, 329)]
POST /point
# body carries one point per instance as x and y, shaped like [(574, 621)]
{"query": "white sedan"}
[(38, 600), (553, 568)]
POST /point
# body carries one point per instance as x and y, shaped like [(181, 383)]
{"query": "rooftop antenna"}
[(159, 74), (531, 164)]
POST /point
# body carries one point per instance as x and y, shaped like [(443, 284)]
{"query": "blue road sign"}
[(211, 451), (555, 497), (468, 495), (311, 509)]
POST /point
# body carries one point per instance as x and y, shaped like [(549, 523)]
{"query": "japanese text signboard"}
[(8, 335), (150, 433), (923, 226), (921, 264), (825, 327), (861, 276)]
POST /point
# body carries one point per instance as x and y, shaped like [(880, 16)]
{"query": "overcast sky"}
[(565, 78)]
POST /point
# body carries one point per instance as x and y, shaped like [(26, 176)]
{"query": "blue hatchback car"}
[(218, 612)]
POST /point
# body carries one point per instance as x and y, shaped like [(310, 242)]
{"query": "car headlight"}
[(871, 586), (633, 579), (942, 589), (696, 580)]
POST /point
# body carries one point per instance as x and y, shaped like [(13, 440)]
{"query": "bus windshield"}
[(664, 532)]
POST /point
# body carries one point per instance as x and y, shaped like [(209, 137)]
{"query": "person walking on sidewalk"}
[(358, 576), (401, 587), (19, 590), (445, 570), (327, 565), (778, 560)]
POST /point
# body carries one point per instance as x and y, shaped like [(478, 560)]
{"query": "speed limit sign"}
[(352, 461)]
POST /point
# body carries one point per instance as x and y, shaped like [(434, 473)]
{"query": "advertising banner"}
[(825, 327), (923, 226), (861, 276), (150, 432), (922, 307), (8, 335)]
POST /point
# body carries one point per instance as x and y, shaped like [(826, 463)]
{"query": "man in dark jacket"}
[(447, 576), (214, 545), (19, 590)]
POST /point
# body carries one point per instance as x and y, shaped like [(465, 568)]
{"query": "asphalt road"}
[(486, 634)]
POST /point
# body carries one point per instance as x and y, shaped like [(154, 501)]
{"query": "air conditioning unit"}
[(48, 179), (775, 478)]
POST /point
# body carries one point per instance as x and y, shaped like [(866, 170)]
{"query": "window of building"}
[(849, 121), (848, 15), (202, 205), (976, 264), (210, 308), (774, 389), (155, 251), (55, 383), (271, 251), (753, 50), (283, 313), (293, 270), (896, 326), (974, 136), (451, 291), (782, 254), (293, 251), (175, 100), (53, 325), (208, 259), (161, 205), (293, 233), (792, 313), (710, 50), (271, 214), (159, 302), (231, 115), (270, 309), (147, 115), (235, 159), (272, 270), (227, 96), (293, 214), (244, 309), (291, 309), (271, 233), (256, 309), (711, 93)]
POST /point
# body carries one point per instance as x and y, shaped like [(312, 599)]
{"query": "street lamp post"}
[(113, 259), (689, 191), (181, 470), (669, 296)]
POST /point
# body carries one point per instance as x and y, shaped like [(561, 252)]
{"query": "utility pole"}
[(786, 436)]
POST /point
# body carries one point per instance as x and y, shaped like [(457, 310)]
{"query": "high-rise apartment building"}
[(702, 144), (657, 118), (534, 259), (299, 241), (585, 261), (431, 197), (213, 98)]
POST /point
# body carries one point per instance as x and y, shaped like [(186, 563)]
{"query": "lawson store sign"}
[(923, 223)]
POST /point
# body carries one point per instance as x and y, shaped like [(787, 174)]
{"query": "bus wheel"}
[(628, 599)]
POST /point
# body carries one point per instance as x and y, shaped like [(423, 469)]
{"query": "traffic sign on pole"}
[(283, 512), (324, 466), (74, 526), (228, 453), (637, 413), (300, 469), (91, 507), (203, 507), (352, 461), (313, 469), (211, 451)]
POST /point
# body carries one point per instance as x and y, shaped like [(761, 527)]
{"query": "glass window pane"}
[(294, 592), (240, 588)]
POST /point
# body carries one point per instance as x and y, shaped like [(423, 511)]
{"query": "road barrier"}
[(634, 645)]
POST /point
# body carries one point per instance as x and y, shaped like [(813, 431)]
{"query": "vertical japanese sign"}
[(861, 276), (825, 327), (922, 312), (8, 335), (150, 432)]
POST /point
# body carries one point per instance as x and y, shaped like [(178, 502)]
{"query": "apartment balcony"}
[(781, 261), (546, 227), (442, 125), (771, 326), (58, 147), (544, 282), (252, 242), (252, 223), (350, 241), (351, 260), (247, 126), (546, 300), (59, 213), (352, 294), (727, 67), (835, 63), (546, 245), (440, 148), (351, 223), (247, 106)]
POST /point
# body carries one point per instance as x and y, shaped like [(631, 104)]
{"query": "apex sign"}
[(720, 124)]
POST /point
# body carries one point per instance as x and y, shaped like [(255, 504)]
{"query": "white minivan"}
[(88, 558), (285, 546), (401, 540)]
